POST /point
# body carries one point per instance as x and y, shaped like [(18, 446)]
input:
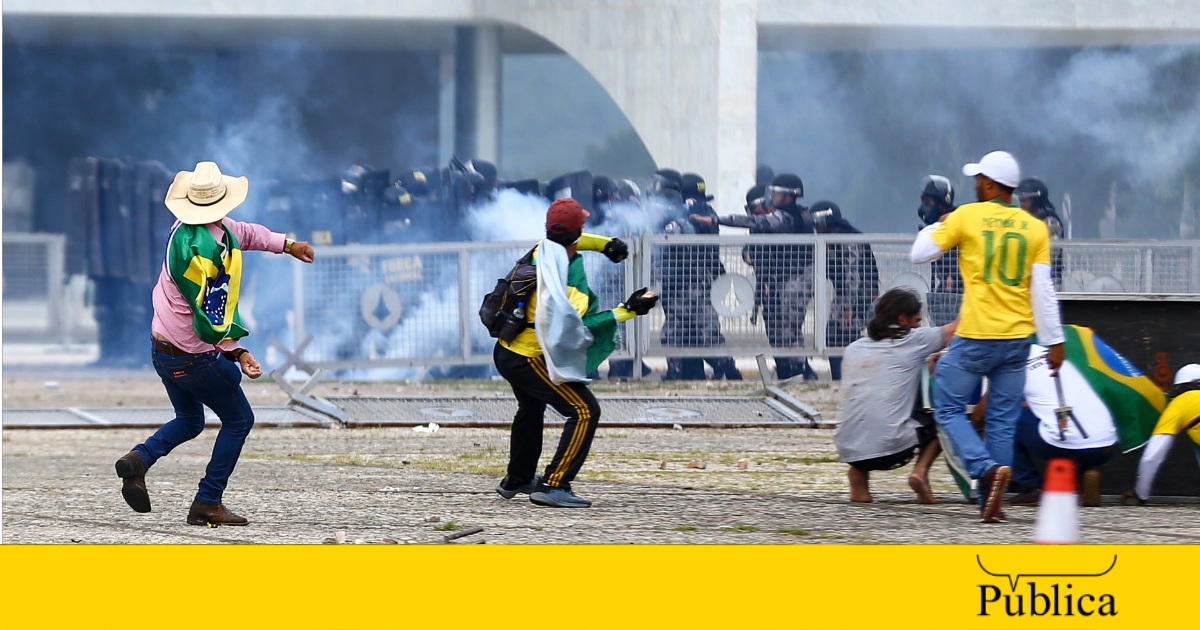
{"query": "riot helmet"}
[(937, 198), (825, 215), (666, 179), (784, 185), (693, 187), (364, 181), (1033, 194), (417, 183), (756, 200), (603, 190), (396, 196), (628, 192)]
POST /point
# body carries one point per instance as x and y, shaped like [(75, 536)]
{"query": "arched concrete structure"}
[(685, 71), (685, 74)]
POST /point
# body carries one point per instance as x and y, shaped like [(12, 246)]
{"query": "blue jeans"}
[(1030, 444), (192, 382), (959, 373)]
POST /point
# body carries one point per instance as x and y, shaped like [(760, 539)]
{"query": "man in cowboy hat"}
[(195, 332)]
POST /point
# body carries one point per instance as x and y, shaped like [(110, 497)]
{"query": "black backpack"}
[(517, 287)]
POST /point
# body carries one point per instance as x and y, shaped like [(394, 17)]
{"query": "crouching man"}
[(881, 377), (566, 337), (195, 331), (1086, 436), (1182, 415)]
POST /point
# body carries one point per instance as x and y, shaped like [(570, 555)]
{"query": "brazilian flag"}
[(209, 275), (1134, 401)]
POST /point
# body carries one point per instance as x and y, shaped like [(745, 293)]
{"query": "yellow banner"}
[(373, 586)]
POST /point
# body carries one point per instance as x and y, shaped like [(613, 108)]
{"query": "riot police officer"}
[(783, 272), (488, 187), (852, 270), (688, 272), (603, 194), (1034, 198), (945, 287)]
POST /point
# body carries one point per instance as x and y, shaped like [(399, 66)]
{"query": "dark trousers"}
[(1030, 444), (692, 369), (624, 369), (531, 385), (193, 381)]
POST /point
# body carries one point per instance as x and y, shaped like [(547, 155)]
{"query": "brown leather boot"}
[(203, 514), (132, 472)]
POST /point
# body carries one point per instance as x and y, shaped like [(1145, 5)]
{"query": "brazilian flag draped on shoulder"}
[(209, 275), (601, 325)]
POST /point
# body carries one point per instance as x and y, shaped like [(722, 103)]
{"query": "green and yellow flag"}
[(209, 275), (1134, 401)]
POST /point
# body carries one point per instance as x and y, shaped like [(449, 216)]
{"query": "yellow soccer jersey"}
[(997, 246), (1183, 411)]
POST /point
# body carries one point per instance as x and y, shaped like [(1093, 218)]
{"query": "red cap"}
[(1060, 476), (565, 215)]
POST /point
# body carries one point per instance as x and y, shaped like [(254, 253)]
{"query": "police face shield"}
[(759, 205), (660, 183), (822, 219), (930, 210), (1029, 199), (779, 195)]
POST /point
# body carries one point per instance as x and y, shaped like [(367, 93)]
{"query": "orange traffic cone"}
[(1058, 514)]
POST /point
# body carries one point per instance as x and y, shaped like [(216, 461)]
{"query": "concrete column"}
[(487, 92), (685, 74), (477, 59), (446, 112), (737, 102)]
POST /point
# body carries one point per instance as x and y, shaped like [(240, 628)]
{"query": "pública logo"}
[(1053, 594)]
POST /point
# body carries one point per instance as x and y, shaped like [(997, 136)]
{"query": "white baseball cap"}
[(1187, 374), (997, 166)]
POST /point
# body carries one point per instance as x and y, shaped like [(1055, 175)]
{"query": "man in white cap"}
[(195, 331), (1004, 260), (1182, 415)]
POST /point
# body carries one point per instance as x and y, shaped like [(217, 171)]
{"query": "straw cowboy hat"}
[(205, 195)]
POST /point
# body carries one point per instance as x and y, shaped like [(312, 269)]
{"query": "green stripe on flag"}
[(1134, 401)]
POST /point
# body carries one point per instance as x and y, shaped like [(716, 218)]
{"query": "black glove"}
[(639, 303), (616, 250)]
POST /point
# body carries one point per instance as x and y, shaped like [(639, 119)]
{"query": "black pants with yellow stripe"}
[(531, 385)]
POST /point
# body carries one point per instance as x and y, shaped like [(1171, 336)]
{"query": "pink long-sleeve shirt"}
[(173, 314)]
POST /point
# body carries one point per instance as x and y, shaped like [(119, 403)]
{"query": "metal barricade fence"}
[(33, 284), (399, 306), (722, 296)]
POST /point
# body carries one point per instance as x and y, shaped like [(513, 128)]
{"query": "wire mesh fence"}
[(403, 305), (722, 296)]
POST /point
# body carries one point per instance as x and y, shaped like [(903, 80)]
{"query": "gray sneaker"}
[(558, 497), (502, 487)]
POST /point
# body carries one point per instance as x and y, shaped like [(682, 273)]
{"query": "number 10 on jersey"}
[(1001, 259)]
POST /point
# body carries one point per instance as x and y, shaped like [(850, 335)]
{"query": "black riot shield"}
[(140, 243), (81, 205), (320, 210), (577, 186), (158, 182), (114, 221)]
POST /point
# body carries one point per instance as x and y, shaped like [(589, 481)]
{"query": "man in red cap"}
[(541, 375)]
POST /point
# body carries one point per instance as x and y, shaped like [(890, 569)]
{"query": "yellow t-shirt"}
[(997, 247), (1182, 411)]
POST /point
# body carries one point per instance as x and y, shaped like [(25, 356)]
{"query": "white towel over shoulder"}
[(558, 326)]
